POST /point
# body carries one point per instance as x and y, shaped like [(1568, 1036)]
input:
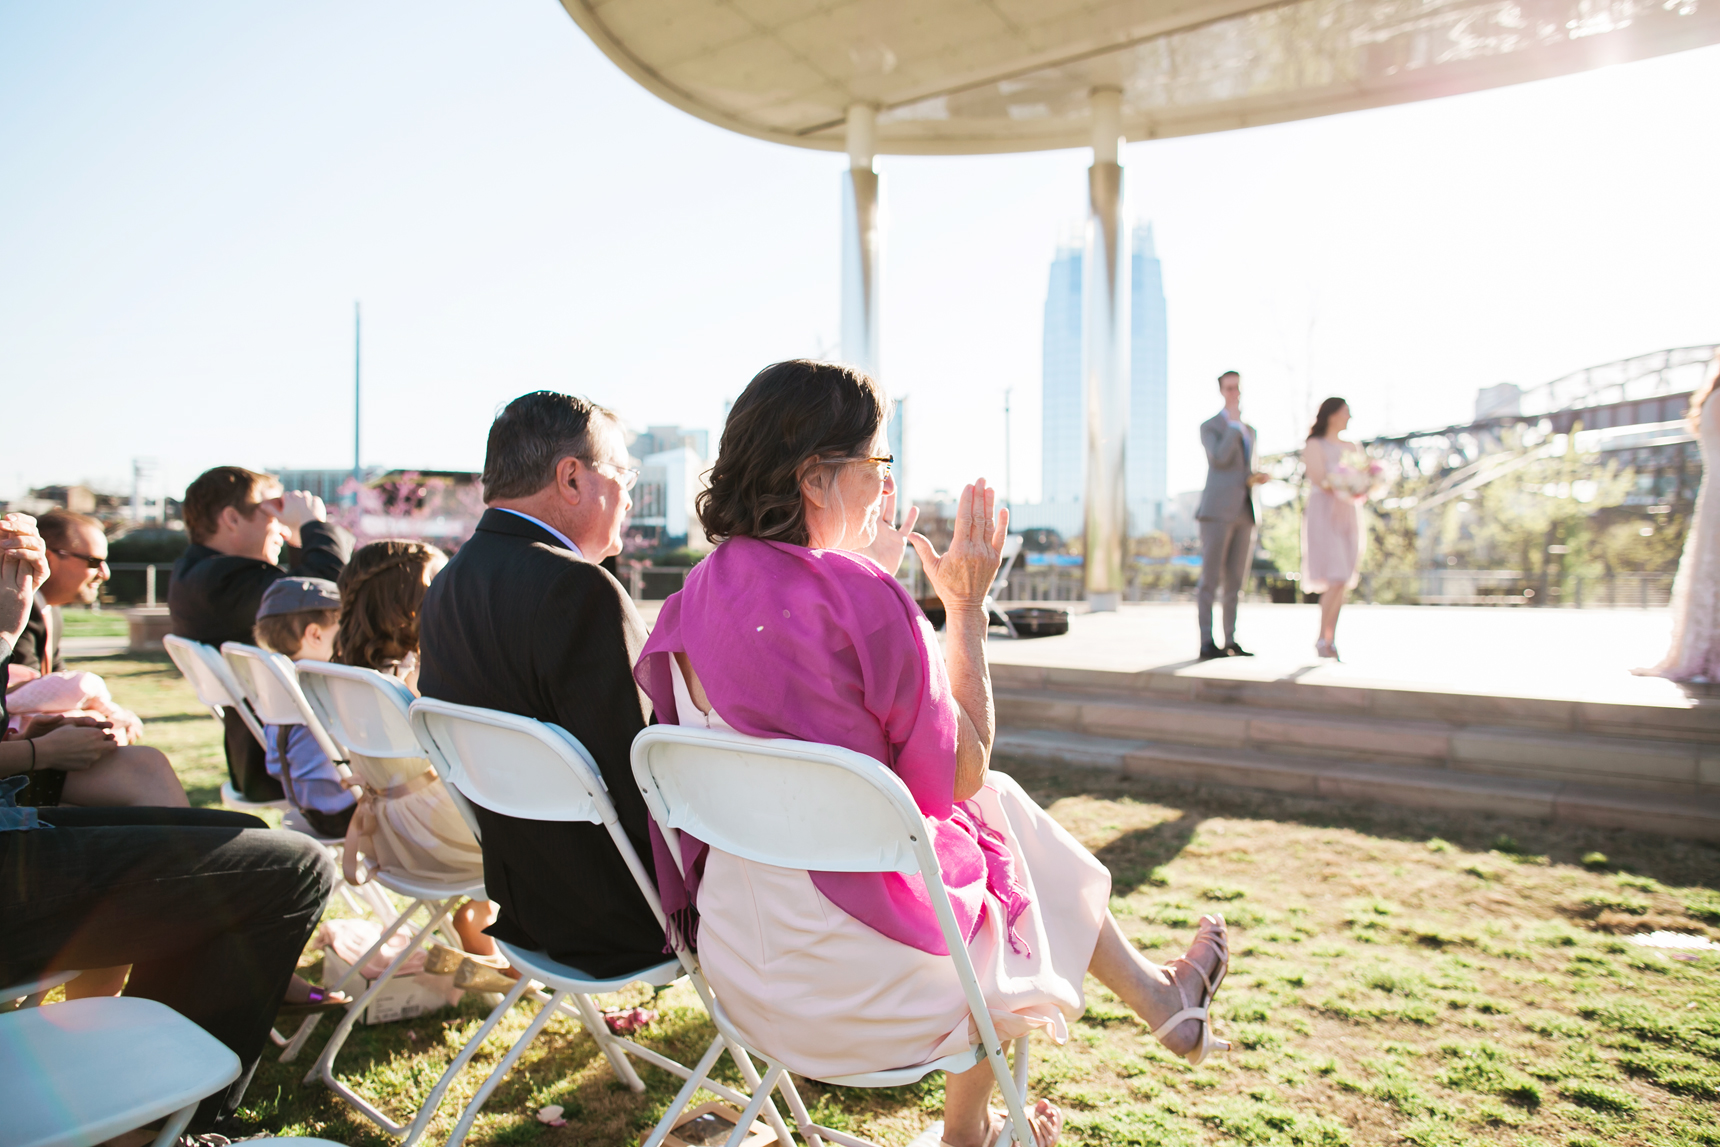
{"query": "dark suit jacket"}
[(214, 596), (516, 622)]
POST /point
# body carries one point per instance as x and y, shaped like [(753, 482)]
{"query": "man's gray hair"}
[(532, 434)]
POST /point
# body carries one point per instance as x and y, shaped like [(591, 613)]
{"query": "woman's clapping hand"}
[(962, 576), (887, 546)]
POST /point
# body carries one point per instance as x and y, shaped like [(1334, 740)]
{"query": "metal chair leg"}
[(468, 1116)]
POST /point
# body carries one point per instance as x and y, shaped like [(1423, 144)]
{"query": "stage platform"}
[(1533, 712)]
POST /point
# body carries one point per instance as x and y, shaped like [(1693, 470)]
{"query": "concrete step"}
[(1697, 723), (1664, 765), (1680, 815)]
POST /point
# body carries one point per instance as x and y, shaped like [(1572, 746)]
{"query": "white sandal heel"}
[(1202, 1010)]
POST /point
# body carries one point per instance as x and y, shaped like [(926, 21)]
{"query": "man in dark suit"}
[(524, 620), (1226, 517), (239, 521)]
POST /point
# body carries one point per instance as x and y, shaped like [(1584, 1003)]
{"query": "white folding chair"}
[(795, 804), (212, 680), (269, 685), (80, 1072), (537, 771), (365, 714)]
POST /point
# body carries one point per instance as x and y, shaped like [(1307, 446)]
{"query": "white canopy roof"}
[(967, 76)]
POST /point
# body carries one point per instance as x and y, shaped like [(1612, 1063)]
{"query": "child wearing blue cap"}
[(299, 617)]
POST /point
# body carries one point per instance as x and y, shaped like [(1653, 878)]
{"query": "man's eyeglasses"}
[(627, 476), (93, 562)]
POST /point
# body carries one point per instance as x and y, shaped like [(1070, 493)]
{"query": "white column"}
[(1105, 359), (860, 243)]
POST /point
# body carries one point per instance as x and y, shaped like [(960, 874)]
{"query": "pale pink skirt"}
[(826, 995), (1332, 541)]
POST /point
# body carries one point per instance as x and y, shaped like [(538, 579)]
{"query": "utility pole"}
[(357, 410), (1008, 487)]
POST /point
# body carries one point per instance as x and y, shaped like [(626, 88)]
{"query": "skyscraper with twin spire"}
[(1064, 458)]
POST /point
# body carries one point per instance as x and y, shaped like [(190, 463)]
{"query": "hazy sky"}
[(196, 193)]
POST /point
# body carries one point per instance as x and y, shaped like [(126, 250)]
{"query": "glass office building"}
[(1064, 458)]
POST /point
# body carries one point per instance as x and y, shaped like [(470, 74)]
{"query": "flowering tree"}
[(439, 509)]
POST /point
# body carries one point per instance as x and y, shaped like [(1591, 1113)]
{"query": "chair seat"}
[(295, 820), (888, 1077), (230, 799), (81, 1072), (427, 889), (902, 1076), (541, 967)]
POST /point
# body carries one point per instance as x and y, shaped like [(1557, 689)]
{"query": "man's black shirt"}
[(214, 596)]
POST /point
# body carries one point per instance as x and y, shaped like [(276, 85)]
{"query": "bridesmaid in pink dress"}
[(796, 627), (1332, 536)]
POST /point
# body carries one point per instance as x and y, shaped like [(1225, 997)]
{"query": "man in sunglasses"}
[(77, 567), (239, 522)]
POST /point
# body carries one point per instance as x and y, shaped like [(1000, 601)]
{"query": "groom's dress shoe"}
[(1235, 650), (1210, 652)]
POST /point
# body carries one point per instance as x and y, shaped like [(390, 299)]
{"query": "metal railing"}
[(154, 583)]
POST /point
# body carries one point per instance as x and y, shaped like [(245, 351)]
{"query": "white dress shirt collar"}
[(543, 525)]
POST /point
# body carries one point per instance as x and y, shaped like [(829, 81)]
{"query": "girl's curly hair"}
[(381, 589), (791, 413)]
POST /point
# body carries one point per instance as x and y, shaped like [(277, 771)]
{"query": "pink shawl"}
[(823, 645)]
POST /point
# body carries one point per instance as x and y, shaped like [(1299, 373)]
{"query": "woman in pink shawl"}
[(796, 627)]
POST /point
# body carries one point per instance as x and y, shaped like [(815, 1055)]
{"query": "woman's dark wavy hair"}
[(381, 589), (791, 413), (1321, 420)]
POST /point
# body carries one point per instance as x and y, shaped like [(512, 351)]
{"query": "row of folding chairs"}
[(787, 803)]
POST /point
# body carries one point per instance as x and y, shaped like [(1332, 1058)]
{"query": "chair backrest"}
[(211, 679), (1011, 550), (522, 768), (271, 685), (793, 804), (366, 714)]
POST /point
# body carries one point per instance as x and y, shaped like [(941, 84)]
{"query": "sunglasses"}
[(93, 562)]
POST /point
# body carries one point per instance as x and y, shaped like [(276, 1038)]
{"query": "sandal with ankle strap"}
[(1202, 1010)]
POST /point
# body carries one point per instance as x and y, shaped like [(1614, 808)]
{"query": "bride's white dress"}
[(1695, 651)]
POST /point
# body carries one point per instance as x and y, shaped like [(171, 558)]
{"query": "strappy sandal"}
[(1201, 1010), (316, 1000), (999, 1120)]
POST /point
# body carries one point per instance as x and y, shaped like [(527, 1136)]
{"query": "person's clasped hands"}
[(68, 743), (23, 568)]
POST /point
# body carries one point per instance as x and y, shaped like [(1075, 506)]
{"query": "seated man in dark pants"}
[(238, 521), (212, 909), (524, 620)]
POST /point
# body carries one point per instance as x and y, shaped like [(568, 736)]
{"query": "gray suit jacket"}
[(1228, 494)]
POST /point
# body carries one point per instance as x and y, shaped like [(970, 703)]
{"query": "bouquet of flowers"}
[(1356, 481)]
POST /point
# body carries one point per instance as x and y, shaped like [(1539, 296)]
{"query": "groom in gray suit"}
[(1226, 516)]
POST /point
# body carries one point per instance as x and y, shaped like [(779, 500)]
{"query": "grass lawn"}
[(1397, 977), (89, 623)]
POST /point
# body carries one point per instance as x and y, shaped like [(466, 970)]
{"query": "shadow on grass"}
[(1133, 855)]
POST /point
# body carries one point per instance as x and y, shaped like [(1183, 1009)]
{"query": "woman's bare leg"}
[(133, 776), (967, 1112), (1330, 603), (1151, 990), (470, 920)]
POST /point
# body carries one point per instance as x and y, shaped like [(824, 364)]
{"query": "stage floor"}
[(1557, 654)]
